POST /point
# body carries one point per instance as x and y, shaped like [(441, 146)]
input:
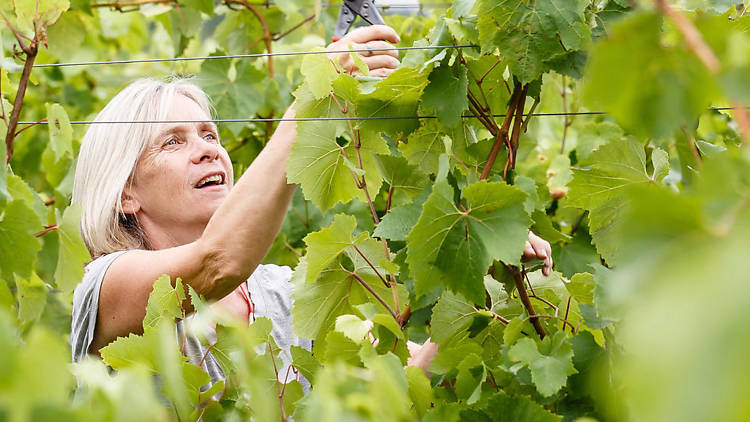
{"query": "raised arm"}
[(239, 233)]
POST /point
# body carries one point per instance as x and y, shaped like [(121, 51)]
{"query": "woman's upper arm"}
[(129, 281)]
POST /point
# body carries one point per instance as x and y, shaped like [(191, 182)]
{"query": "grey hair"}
[(109, 155)]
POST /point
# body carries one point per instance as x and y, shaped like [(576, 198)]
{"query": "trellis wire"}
[(315, 119), (254, 55)]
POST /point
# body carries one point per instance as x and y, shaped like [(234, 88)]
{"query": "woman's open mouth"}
[(212, 180)]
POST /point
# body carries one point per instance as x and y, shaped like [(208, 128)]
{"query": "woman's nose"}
[(204, 150)]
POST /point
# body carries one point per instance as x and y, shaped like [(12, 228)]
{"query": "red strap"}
[(246, 295)]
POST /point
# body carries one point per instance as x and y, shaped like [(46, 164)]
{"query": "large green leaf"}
[(531, 33), (550, 361), (446, 93), (601, 188), (395, 96), (237, 94), (18, 246), (72, 253), (327, 170), (454, 246)]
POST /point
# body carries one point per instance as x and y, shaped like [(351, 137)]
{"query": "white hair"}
[(109, 155)]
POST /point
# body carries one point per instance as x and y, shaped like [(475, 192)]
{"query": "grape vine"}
[(416, 196)]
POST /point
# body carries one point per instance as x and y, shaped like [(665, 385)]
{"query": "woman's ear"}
[(130, 204)]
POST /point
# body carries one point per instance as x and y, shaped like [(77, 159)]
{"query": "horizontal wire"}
[(254, 55), (317, 119), (116, 4), (299, 119)]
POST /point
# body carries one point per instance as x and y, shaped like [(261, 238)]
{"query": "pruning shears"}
[(349, 11)]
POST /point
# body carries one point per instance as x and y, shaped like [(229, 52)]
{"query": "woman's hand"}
[(421, 355), (536, 247), (373, 38)]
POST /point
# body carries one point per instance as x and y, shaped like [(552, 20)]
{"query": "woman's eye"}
[(171, 142), (210, 137)]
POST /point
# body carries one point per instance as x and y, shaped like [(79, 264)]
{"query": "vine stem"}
[(523, 294), (30, 51), (502, 134), (46, 230), (373, 292), (38, 122), (516, 134), (278, 390), (535, 316), (370, 264), (566, 121)]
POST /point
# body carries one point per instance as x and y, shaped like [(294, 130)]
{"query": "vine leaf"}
[(399, 221), (60, 131), (325, 245), (396, 95), (324, 168), (452, 247), (18, 246), (424, 146), (46, 12), (319, 74), (532, 33), (602, 188), (550, 363), (32, 297), (72, 253), (517, 409), (446, 93), (234, 97), (164, 303)]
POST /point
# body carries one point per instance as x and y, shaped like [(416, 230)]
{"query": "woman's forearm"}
[(243, 228)]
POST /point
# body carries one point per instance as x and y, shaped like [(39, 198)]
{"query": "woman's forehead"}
[(183, 126)]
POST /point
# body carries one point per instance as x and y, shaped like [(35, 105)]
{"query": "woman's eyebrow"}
[(209, 125)]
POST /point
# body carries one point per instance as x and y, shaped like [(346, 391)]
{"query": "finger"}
[(372, 33), (529, 250), (547, 268), (381, 72), (539, 245), (378, 47), (376, 62)]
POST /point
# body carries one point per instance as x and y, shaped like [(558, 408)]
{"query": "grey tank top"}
[(270, 291)]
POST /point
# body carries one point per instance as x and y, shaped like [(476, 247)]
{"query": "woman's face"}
[(181, 179)]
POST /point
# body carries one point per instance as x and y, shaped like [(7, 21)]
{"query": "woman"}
[(161, 199)]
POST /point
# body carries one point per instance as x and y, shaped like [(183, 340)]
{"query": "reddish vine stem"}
[(373, 292), (370, 264), (46, 230), (535, 316), (30, 51), (278, 391), (518, 280), (500, 318), (566, 122), (30, 125), (295, 27), (567, 309), (388, 201), (404, 316), (502, 135), (363, 182)]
